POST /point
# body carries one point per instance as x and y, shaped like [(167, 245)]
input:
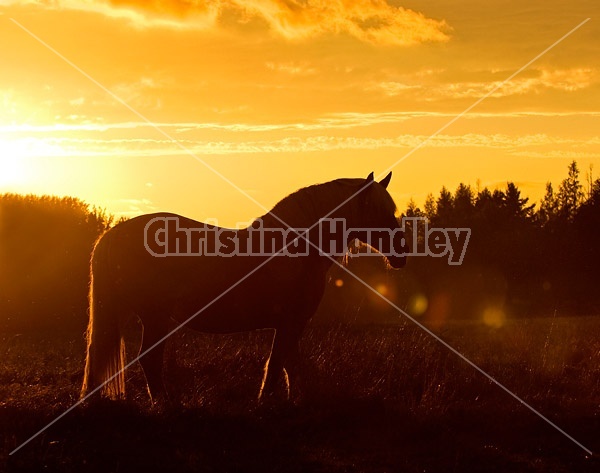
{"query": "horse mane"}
[(306, 206)]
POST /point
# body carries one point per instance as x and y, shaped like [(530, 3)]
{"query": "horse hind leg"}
[(152, 356)]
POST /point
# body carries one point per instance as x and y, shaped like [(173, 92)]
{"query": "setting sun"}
[(14, 169), (10, 169)]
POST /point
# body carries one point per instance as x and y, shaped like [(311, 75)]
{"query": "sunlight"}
[(15, 169), (12, 170), (17, 160)]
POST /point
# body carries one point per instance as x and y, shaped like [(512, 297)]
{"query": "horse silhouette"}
[(218, 294)]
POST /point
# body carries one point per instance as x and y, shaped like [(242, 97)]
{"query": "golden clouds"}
[(177, 8), (371, 21), (181, 14)]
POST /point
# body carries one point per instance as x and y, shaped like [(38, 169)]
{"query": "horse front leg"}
[(281, 365)]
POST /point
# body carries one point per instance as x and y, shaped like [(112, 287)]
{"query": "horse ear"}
[(386, 180), (370, 178)]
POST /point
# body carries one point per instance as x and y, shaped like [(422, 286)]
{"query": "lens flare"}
[(417, 305), (546, 285), (494, 317), (382, 289)]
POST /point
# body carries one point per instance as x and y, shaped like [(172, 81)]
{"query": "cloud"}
[(558, 154), (566, 80), (371, 21), (177, 8), (292, 68), (79, 101), (329, 122), (170, 13), (132, 207), (532, 145)]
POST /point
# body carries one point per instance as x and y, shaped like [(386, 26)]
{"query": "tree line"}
[(522, 259)]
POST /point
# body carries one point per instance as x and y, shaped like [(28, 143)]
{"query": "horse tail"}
[(105, 359)]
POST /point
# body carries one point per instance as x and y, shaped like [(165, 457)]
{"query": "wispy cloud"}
[(558, 154), (133, 207), (292, 68), (534, 145), (331, 121), (568, 80)]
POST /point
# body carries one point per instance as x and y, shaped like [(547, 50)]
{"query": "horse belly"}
[(224, 307), (226, 314)]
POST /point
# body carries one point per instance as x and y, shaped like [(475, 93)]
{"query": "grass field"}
[(374, 399)]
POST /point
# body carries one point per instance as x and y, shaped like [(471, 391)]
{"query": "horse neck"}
[(304, 208), (305, 213)]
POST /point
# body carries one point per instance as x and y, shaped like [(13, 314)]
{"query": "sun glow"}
[(11, 171), (18, 160), (16, 166)]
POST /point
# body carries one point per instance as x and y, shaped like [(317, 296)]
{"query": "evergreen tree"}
[(515, 205), (570, 193), (463, 203), (549, 206), (445, 207), (412, 210), (430, 207)]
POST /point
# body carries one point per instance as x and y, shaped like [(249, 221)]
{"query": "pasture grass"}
[(372, 399)]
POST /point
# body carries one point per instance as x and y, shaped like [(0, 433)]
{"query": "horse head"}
[(378, 213)]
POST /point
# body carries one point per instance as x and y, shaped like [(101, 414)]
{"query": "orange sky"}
[(279, 94)]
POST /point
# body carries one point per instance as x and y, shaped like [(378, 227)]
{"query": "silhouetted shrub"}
[(45, 247)]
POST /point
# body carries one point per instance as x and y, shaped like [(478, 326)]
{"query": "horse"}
[(221, 294)]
